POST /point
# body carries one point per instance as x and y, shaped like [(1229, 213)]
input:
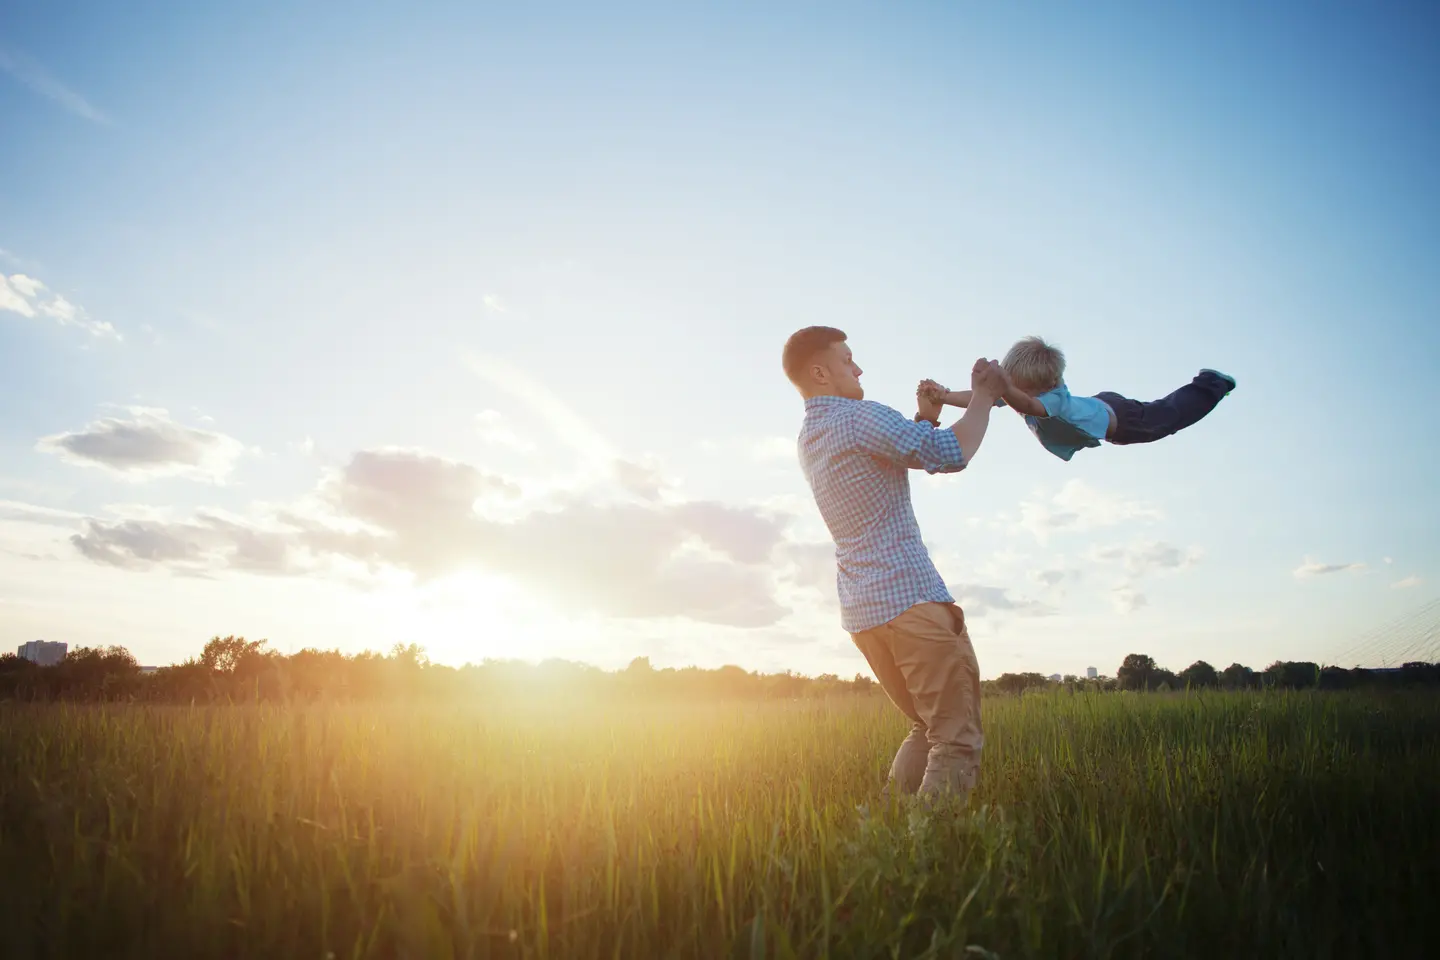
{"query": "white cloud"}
[(812, 565), (413, 512), (640, 478), (1312, 568), (13, 298), (492, 302), (1143, 557), (147, 445), (1079, 507), (59, 309), (29, 297), (1407, 583), (1126, 599), (26, 70), (29, 513), (977, 600), (1053, 578), (28, 287)]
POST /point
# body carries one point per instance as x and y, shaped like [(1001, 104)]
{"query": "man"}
[(856, 455)]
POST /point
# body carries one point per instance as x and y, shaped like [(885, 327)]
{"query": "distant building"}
[(148, 669), (46, 653), (1091, 673)]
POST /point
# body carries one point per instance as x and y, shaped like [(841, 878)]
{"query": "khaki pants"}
[(924, 662)]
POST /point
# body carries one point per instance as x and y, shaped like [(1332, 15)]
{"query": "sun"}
[(470, 616)]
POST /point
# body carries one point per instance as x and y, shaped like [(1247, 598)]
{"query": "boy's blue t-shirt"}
[(1074, 422)]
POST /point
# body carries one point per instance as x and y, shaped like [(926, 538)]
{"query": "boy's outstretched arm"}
[(958, 398), (930, 389), (1020, 401), (932, 392)]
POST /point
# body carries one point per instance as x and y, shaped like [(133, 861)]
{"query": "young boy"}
[(1035, 387)]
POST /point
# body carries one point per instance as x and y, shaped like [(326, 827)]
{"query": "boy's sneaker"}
[(1223, 376)]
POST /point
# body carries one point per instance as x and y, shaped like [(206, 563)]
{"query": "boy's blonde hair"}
[(1035, 365)]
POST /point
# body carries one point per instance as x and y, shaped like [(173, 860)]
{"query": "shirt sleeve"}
[(885, 433)]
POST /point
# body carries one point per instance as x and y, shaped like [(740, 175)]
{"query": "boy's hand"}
[(1006, 384)]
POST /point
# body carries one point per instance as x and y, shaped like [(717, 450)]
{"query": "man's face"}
[(842, 373)]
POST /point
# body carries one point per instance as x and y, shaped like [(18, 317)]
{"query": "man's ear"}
[(820, 374)]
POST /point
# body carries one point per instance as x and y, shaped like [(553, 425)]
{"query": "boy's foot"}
[(1223, 376)]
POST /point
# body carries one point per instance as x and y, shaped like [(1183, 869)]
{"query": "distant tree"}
[(789, 685), (1237, 677), (1137, 672), (93, 673), (1338, 678), (1293, 674), (1417, 672), (10, 663), (409, 655), (1019, 682), (226, 654), (1199, 675)]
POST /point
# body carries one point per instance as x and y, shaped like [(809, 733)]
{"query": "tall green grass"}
[(1105, 826)]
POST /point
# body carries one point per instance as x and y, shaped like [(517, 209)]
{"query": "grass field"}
[(1105, 826)]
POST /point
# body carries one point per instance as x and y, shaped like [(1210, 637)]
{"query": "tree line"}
[(233, 669), (1139, 672)]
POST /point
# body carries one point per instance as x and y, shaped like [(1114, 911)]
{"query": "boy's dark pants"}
[(1137, 422)]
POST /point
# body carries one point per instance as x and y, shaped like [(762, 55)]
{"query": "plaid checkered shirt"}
[(857, 456)]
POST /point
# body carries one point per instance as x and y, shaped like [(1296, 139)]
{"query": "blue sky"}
[(344, 327)]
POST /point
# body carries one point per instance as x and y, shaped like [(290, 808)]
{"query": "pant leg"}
[(1138, 422), (907, 770), (932, 650)]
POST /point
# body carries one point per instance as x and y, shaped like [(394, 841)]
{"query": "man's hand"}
[(931, 391), (929, 399), (987, 378)]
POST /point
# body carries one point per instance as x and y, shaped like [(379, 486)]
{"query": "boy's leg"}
[(908, 768), (1147, 422)]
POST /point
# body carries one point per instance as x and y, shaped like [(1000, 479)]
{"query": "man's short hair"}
[(802, 347), (1035, 365)]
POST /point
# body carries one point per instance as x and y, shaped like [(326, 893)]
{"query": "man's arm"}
[(882, 432), (885, 434), (986, 383)]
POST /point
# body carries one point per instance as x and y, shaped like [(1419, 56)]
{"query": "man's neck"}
[(822, 395)]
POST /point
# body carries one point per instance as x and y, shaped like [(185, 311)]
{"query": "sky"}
[(349, 325)]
